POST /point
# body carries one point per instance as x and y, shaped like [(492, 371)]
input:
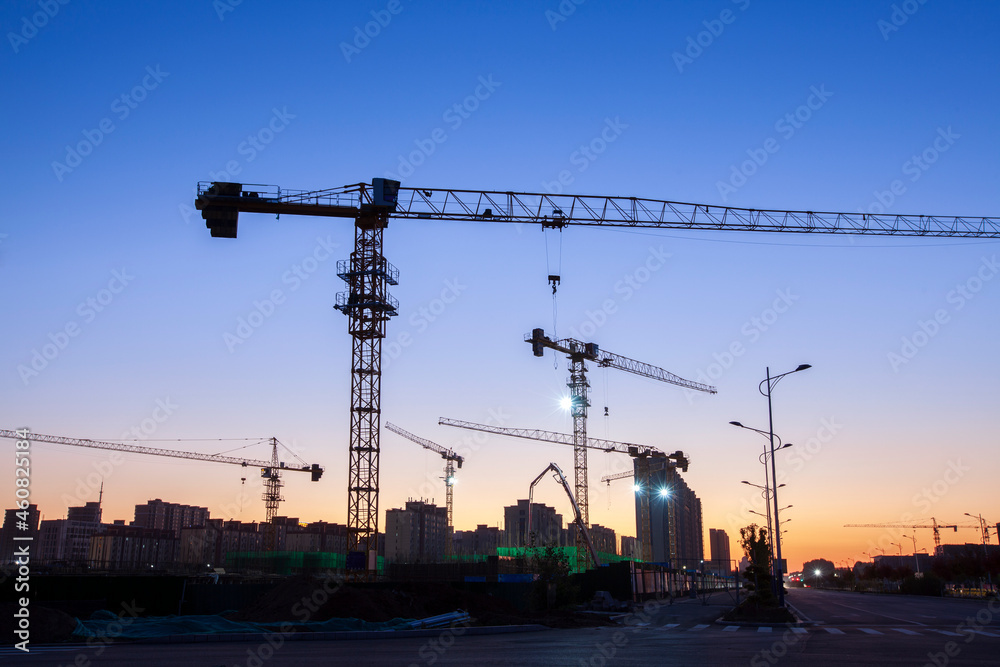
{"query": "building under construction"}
[(675, 518)]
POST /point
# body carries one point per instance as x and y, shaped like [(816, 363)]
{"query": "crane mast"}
[(368, 304), (578, 353), (450, 458), (270, 471), (641, 453)]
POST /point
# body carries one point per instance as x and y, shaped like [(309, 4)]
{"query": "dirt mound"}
[(47, 626), (304, 598)]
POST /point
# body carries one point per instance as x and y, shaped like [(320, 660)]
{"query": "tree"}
[(753, 540), (553, 587)]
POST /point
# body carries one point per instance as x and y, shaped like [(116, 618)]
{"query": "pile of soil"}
[(293, 600), (47, 626)]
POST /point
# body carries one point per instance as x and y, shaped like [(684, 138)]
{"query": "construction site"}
[(419, 542), (608, 327)]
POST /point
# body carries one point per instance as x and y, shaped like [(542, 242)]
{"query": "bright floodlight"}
[(637, 488), (451, 480), (664, 492), (817, 572), (565, 402)]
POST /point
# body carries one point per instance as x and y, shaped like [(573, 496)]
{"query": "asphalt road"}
[(850, 629), (835, 608)]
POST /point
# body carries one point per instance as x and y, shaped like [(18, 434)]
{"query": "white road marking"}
[(800, 631), (834, 631), (945, 632), (906, 632), (764, 628), (988, 634), (869, 632), (731, 628), (903, 620), (700, 626), (670, 625)]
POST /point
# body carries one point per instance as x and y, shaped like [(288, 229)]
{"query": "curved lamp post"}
[(770, 383)]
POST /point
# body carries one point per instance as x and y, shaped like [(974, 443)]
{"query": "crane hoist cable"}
[(606, 401), (554, 278)]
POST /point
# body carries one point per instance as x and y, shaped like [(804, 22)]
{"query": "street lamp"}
[(768, 479), (766, 493), (769, 436), (915, 559), (771, 383), (985, 533)]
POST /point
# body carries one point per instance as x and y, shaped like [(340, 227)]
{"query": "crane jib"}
[(221, 203)]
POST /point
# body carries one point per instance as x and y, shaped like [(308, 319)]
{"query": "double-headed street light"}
[(766, 494), (915, 559), (985, 533), (769, 481), (771, 383)]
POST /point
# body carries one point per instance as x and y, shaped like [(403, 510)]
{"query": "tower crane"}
[(578, 516), (579, 353), (368, 305), (642, 454), (270, 471), (450, 459), (896, 524)]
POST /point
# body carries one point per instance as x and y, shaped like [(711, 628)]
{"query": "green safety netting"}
[(104, 624)]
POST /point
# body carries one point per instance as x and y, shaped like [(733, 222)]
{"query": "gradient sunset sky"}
[(852, 106)]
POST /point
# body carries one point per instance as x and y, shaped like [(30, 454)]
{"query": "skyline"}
[(804, 108)]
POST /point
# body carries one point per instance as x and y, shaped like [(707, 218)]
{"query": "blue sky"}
[(290, 95)]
